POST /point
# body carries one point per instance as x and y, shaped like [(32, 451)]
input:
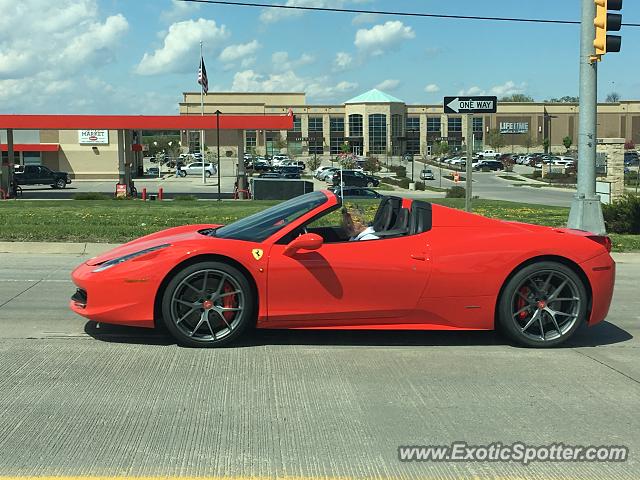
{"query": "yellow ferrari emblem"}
[(257, 253)]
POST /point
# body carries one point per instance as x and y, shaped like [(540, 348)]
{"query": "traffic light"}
[(607, 22)]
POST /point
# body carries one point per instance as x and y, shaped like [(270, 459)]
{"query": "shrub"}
[(419, 185), (623, 216), (184, 198), (400, 171), (404, 182), (313, 163), (456, 192), (91, 196), (536, 174)]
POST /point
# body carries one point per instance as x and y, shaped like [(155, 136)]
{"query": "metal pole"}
[(467, 198), (586, 211), (202, 159), (218, 142)]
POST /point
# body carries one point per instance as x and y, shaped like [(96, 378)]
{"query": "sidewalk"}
[(93, 249)]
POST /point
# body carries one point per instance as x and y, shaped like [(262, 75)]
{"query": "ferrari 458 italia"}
[(293, 266)]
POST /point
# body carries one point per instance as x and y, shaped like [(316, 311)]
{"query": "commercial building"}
[(376, 123)]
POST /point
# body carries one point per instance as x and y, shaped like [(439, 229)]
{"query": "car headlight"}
[(116, 261)]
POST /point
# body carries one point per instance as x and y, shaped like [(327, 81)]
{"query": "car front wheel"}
[(61, 183), (543, 305), (208, 304), (370, 184)]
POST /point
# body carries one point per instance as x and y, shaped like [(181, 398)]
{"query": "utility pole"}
[(586, 211), (467, 199)]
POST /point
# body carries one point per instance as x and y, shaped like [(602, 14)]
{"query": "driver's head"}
[(353, 220)]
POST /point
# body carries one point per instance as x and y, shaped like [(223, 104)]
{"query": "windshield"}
[(262, 225)]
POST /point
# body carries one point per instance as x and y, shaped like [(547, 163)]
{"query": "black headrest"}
[(402, 220), (421, 217), (386, 215)]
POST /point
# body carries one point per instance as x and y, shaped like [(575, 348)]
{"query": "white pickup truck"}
[(488, 154)]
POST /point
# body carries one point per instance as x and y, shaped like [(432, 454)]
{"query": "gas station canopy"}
[(145, 122)]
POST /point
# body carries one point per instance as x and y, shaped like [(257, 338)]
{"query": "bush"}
[(456, 192), (623, 216), (400, 171), (404, 182), (184, 198), (91, 196), (419, 185), (536, 174)]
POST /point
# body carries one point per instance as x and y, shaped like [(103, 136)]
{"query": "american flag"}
[(202, 76)]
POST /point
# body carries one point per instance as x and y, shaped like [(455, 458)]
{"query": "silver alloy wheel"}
[(207, 305), (546, 305)]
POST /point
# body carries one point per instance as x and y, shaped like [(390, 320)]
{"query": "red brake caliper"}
[(228, 301), (524, 291)]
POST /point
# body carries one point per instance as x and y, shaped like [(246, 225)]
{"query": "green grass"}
[(120, 221)]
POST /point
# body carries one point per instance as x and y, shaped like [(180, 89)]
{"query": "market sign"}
[(514, 127), (93, 137)]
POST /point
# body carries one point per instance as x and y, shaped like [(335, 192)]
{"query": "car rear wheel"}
[(208, 173), (208, 304), (543, 305)]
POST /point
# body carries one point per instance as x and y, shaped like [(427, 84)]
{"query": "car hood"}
[(171, 235)]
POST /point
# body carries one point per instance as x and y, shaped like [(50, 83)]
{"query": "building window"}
[(377, 133), (194, 141), (297, 123), (337, 124), (433, 125), (294, 147), (315, 146), (250, 141), (396, 126), (455, 124), (315, 124), (413, 124), (478, 124), (336, 145), (355, 125)]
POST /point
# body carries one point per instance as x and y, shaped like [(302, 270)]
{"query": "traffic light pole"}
[(586, 211)]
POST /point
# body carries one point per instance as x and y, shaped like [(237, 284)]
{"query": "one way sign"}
[(470, 104)]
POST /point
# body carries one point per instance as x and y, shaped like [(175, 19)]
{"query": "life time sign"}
[(514, 127), (93, 137)]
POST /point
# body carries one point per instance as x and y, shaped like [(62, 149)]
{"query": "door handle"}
[(422, 258)]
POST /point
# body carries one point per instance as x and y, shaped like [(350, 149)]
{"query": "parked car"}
[(488, 154), (41, 175), (355, 192), (427, 174), (195, 168), (353, 178), (319, 170), (294, 163), (261, 166), (269, 175), (494, 165), (288, 171), (631, 158), (327, 174)]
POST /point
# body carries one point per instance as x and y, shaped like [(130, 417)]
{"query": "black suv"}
[(354, 178), (494, 165), (41, 175)]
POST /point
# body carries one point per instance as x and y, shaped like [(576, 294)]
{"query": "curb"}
[(56, 248)]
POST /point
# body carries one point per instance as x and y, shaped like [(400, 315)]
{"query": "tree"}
[(345, 148), (441, 149), (565, 99), (517, 97), (314, 163), (529, 142), (281, 143), (495, 139), (372, 165), (613, 97), (567, 142)]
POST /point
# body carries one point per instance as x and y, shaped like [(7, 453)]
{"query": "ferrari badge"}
[(257, 253)]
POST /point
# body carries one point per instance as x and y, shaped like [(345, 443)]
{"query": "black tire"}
[(370, 184), (208, 174), (61, 183), (179, 299), (530, 293)]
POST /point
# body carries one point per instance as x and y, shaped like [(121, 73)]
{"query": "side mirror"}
[(308, 241)]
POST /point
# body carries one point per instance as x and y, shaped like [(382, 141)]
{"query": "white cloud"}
[(365, 18), (179, 52), (236, 52), (45, 48), (272, 15), (508, 88), (179, 10), (432, 88), (378, 39), (281, 60), (342, 61), (288, 81), (389, 84), (38, 37)]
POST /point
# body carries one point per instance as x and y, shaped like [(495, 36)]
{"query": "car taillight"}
[(602, 240)]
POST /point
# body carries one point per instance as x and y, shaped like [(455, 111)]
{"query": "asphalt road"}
[(76, 399)]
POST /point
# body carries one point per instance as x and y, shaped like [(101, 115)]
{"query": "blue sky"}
[(138, 56)]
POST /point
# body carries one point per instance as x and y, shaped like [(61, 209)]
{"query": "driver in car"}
[(355, 225)]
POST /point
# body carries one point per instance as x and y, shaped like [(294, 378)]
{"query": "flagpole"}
[(204, 178)]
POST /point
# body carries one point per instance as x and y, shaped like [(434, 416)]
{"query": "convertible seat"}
[(400, 228)]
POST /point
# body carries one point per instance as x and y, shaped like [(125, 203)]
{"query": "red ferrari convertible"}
[(293, 266)]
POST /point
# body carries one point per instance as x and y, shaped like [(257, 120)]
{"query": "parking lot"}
[(81, 399)]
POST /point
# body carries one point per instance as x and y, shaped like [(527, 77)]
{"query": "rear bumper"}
[(601, 272)]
